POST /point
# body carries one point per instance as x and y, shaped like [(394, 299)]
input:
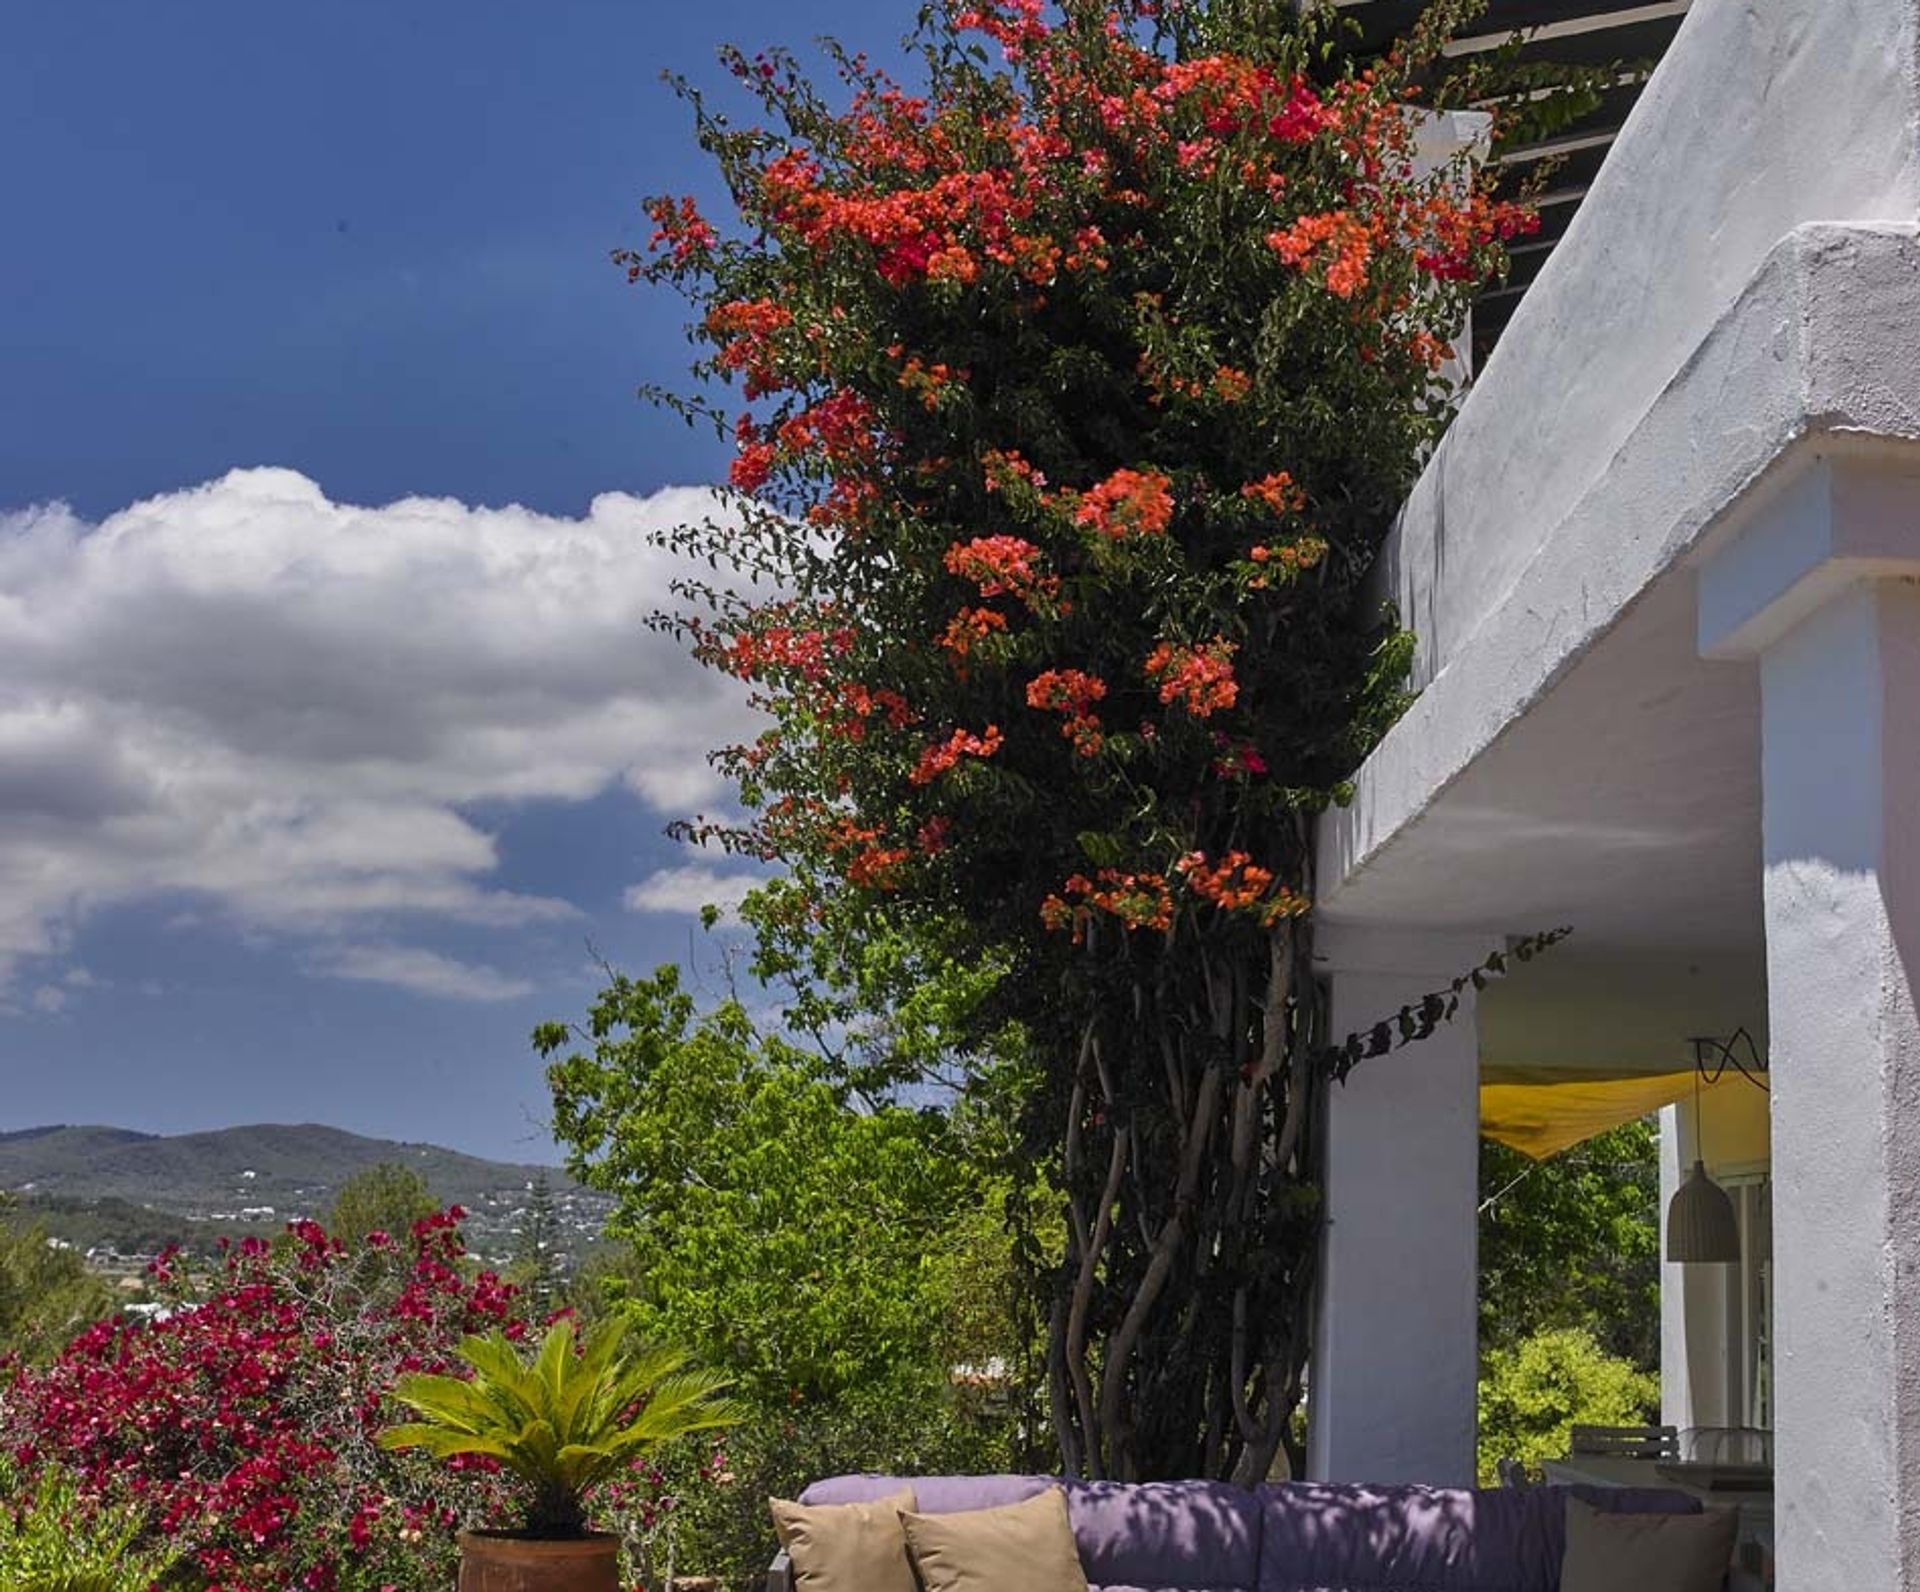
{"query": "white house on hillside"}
[(1665, 575)]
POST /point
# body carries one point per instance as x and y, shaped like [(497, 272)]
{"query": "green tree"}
[(778, 1226), (1079, 387), (1574, 1242), (843, 1260), (46, 1292), (539, 1266), (1531, 1396), (388, 1198)]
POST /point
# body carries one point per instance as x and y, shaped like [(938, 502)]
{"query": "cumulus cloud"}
[(425, 972), (688, 889), (282, 711)]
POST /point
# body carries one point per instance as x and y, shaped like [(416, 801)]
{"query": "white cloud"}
[(424, 972), (50, 998), (686, 890), (283, 709)]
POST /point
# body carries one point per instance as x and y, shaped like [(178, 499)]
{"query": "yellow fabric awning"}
[(1541, 1111)]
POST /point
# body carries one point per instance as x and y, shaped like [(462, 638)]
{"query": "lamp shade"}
[(1701, 1226)]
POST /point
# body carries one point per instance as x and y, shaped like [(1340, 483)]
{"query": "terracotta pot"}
[(498, 1561)]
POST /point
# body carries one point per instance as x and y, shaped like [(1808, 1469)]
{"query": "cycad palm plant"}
[(562, 1421)]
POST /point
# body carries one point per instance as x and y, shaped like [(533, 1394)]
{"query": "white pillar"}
[(1841, 719), (1814, 588), (1394, 1376)]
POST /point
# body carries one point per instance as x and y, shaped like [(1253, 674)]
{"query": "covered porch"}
[(1665, 575)]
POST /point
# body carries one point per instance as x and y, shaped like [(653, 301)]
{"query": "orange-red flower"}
[(1128, 503), (1199, 677), (936, 759), (1073, 693)]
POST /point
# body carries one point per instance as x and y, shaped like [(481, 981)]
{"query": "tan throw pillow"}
[(1025, 1547), (1607, 1552), (846, 1547)]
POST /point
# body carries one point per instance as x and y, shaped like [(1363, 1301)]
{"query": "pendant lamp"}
[(1701, 1226)]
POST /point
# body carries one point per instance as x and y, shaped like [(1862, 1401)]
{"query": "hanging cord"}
[(1726, 1054)]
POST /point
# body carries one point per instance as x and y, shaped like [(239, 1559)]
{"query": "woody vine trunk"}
[(1181, 1320)]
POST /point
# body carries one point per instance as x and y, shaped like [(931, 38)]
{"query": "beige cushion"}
[(846, 1547), (1025, 1547), (1646, 1553)]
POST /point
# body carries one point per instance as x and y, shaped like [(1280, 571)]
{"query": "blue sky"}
[(312, 799)]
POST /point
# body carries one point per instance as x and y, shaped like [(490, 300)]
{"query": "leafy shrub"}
[(53, 1539), (1533, 1394)]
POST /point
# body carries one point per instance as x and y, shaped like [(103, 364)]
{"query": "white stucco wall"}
[(1762, 117)]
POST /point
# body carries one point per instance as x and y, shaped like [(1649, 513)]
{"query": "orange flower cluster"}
[(1128, 503), (1236, 883), (1284, 562), (805, 652), (968, 628), (1235, 96), (1138, 900), (1277, 492), (1226, 385), (1072, 692), (936, 759), (871, 863), (1007, 470), (1198, 677), (860, 703), (678, 228), (750, 325), (1003, 566), (1340, 242), (929, 382)]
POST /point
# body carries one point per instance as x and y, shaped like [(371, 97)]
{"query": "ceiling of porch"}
[(1625, 805)]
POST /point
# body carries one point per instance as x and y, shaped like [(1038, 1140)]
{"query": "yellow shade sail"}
[(1541, 1111)]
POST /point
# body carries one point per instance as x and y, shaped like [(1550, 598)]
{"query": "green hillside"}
[(97, 1184)]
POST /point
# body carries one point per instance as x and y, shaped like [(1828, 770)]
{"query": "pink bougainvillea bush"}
[(241, 1422)]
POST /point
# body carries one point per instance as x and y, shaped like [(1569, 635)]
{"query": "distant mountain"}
[(257, 1178)]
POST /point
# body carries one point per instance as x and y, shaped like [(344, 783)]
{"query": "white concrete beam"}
[(1394, 1375)]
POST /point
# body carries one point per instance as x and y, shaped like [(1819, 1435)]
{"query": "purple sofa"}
[(1286, 1536)]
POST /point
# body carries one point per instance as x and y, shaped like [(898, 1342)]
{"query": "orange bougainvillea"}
[(1197, 677), (1075, 390), (1128, 503), (1072, 693)]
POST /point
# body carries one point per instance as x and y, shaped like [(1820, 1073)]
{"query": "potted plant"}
[(564, 1420)]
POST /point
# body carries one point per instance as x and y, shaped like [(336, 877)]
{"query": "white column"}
[(1841, 721), (1394, 1375)]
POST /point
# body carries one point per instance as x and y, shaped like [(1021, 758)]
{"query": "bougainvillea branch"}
[(1078, 384)]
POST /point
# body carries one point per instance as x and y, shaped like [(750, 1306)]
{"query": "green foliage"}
[(387, 1198), (46, 1292), (1531, 1396), (1574, 1242), (845, 1259), (538, 1270), (563, 1422), (52, 1540), (779, 1225)]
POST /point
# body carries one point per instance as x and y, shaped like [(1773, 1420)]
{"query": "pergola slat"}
[(1578, 34)]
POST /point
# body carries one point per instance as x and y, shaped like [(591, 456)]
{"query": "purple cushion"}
[(1325, 1538), (936, 1495), (1189, 1536)]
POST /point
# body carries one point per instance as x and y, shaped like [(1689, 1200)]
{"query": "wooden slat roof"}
[(1577, 33)]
